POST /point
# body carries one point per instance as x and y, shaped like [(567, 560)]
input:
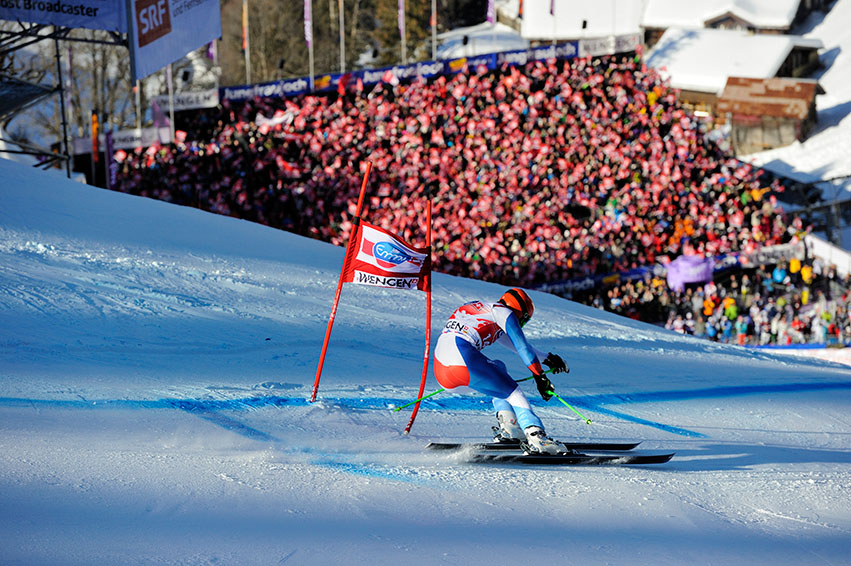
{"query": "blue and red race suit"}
[(459, 362)]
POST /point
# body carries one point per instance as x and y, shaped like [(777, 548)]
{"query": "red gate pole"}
[(349, 250), (428, 321)]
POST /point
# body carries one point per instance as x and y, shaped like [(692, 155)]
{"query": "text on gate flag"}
[(382, 259)]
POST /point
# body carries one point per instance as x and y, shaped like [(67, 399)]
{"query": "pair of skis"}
[(511, 453)]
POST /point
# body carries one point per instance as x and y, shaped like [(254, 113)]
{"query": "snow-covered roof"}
[(603, 18), (481, 39), (824, 155), (760, 13), (703, 59)]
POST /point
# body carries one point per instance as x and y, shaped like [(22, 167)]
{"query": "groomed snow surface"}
[(156, 362)]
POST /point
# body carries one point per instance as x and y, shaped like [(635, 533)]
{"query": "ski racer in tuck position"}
[(459, 362)]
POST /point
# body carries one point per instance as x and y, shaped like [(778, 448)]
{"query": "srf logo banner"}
[(154, 18)]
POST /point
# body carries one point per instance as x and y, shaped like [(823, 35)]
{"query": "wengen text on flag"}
[(382, 259)]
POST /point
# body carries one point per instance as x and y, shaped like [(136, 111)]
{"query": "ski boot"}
[(507, 432), (537, 442)]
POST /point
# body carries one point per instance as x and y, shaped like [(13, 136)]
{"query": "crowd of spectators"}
[(554, 170), (786, 303)]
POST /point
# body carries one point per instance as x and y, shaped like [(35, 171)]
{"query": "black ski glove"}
[(556, 364), (545, 387)]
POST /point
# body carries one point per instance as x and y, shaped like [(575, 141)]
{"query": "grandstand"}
[(549, 172), (581, 175)]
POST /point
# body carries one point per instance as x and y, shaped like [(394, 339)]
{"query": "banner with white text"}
[(382, 259), (109, 15), (189, 100), (126, 139)]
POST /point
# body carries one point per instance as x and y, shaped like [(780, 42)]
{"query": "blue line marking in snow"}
[(366, 470), (182, 404), (653, 424), (231, 424), (210, 409), (712, 392), (597, 402)]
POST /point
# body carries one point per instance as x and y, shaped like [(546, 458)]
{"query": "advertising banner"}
[(109, 15), (127, 139), (190, 100), (163, 31), (772, 254), (274, 89), (383, 259), (591, 282), (609, 45), (424, 69)]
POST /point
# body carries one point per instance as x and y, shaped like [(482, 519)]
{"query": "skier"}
[(458, 361)]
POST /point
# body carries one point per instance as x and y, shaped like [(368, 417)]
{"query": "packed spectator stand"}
[(542, 173)]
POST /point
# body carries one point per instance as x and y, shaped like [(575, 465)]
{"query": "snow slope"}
[(155, 363)]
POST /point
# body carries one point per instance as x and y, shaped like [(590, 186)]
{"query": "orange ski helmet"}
[(517, 300)]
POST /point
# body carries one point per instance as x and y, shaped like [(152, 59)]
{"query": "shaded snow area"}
[(155, 365)]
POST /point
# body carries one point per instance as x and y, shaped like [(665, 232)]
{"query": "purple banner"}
[(491, 17), (689, 269)]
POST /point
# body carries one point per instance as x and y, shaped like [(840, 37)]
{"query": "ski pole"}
[(587, 421), (442, 389)]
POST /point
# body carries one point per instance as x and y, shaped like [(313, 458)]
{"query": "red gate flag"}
[(382, 259)]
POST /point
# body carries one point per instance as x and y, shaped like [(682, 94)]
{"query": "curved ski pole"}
[(566, 404), (442, 389)]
